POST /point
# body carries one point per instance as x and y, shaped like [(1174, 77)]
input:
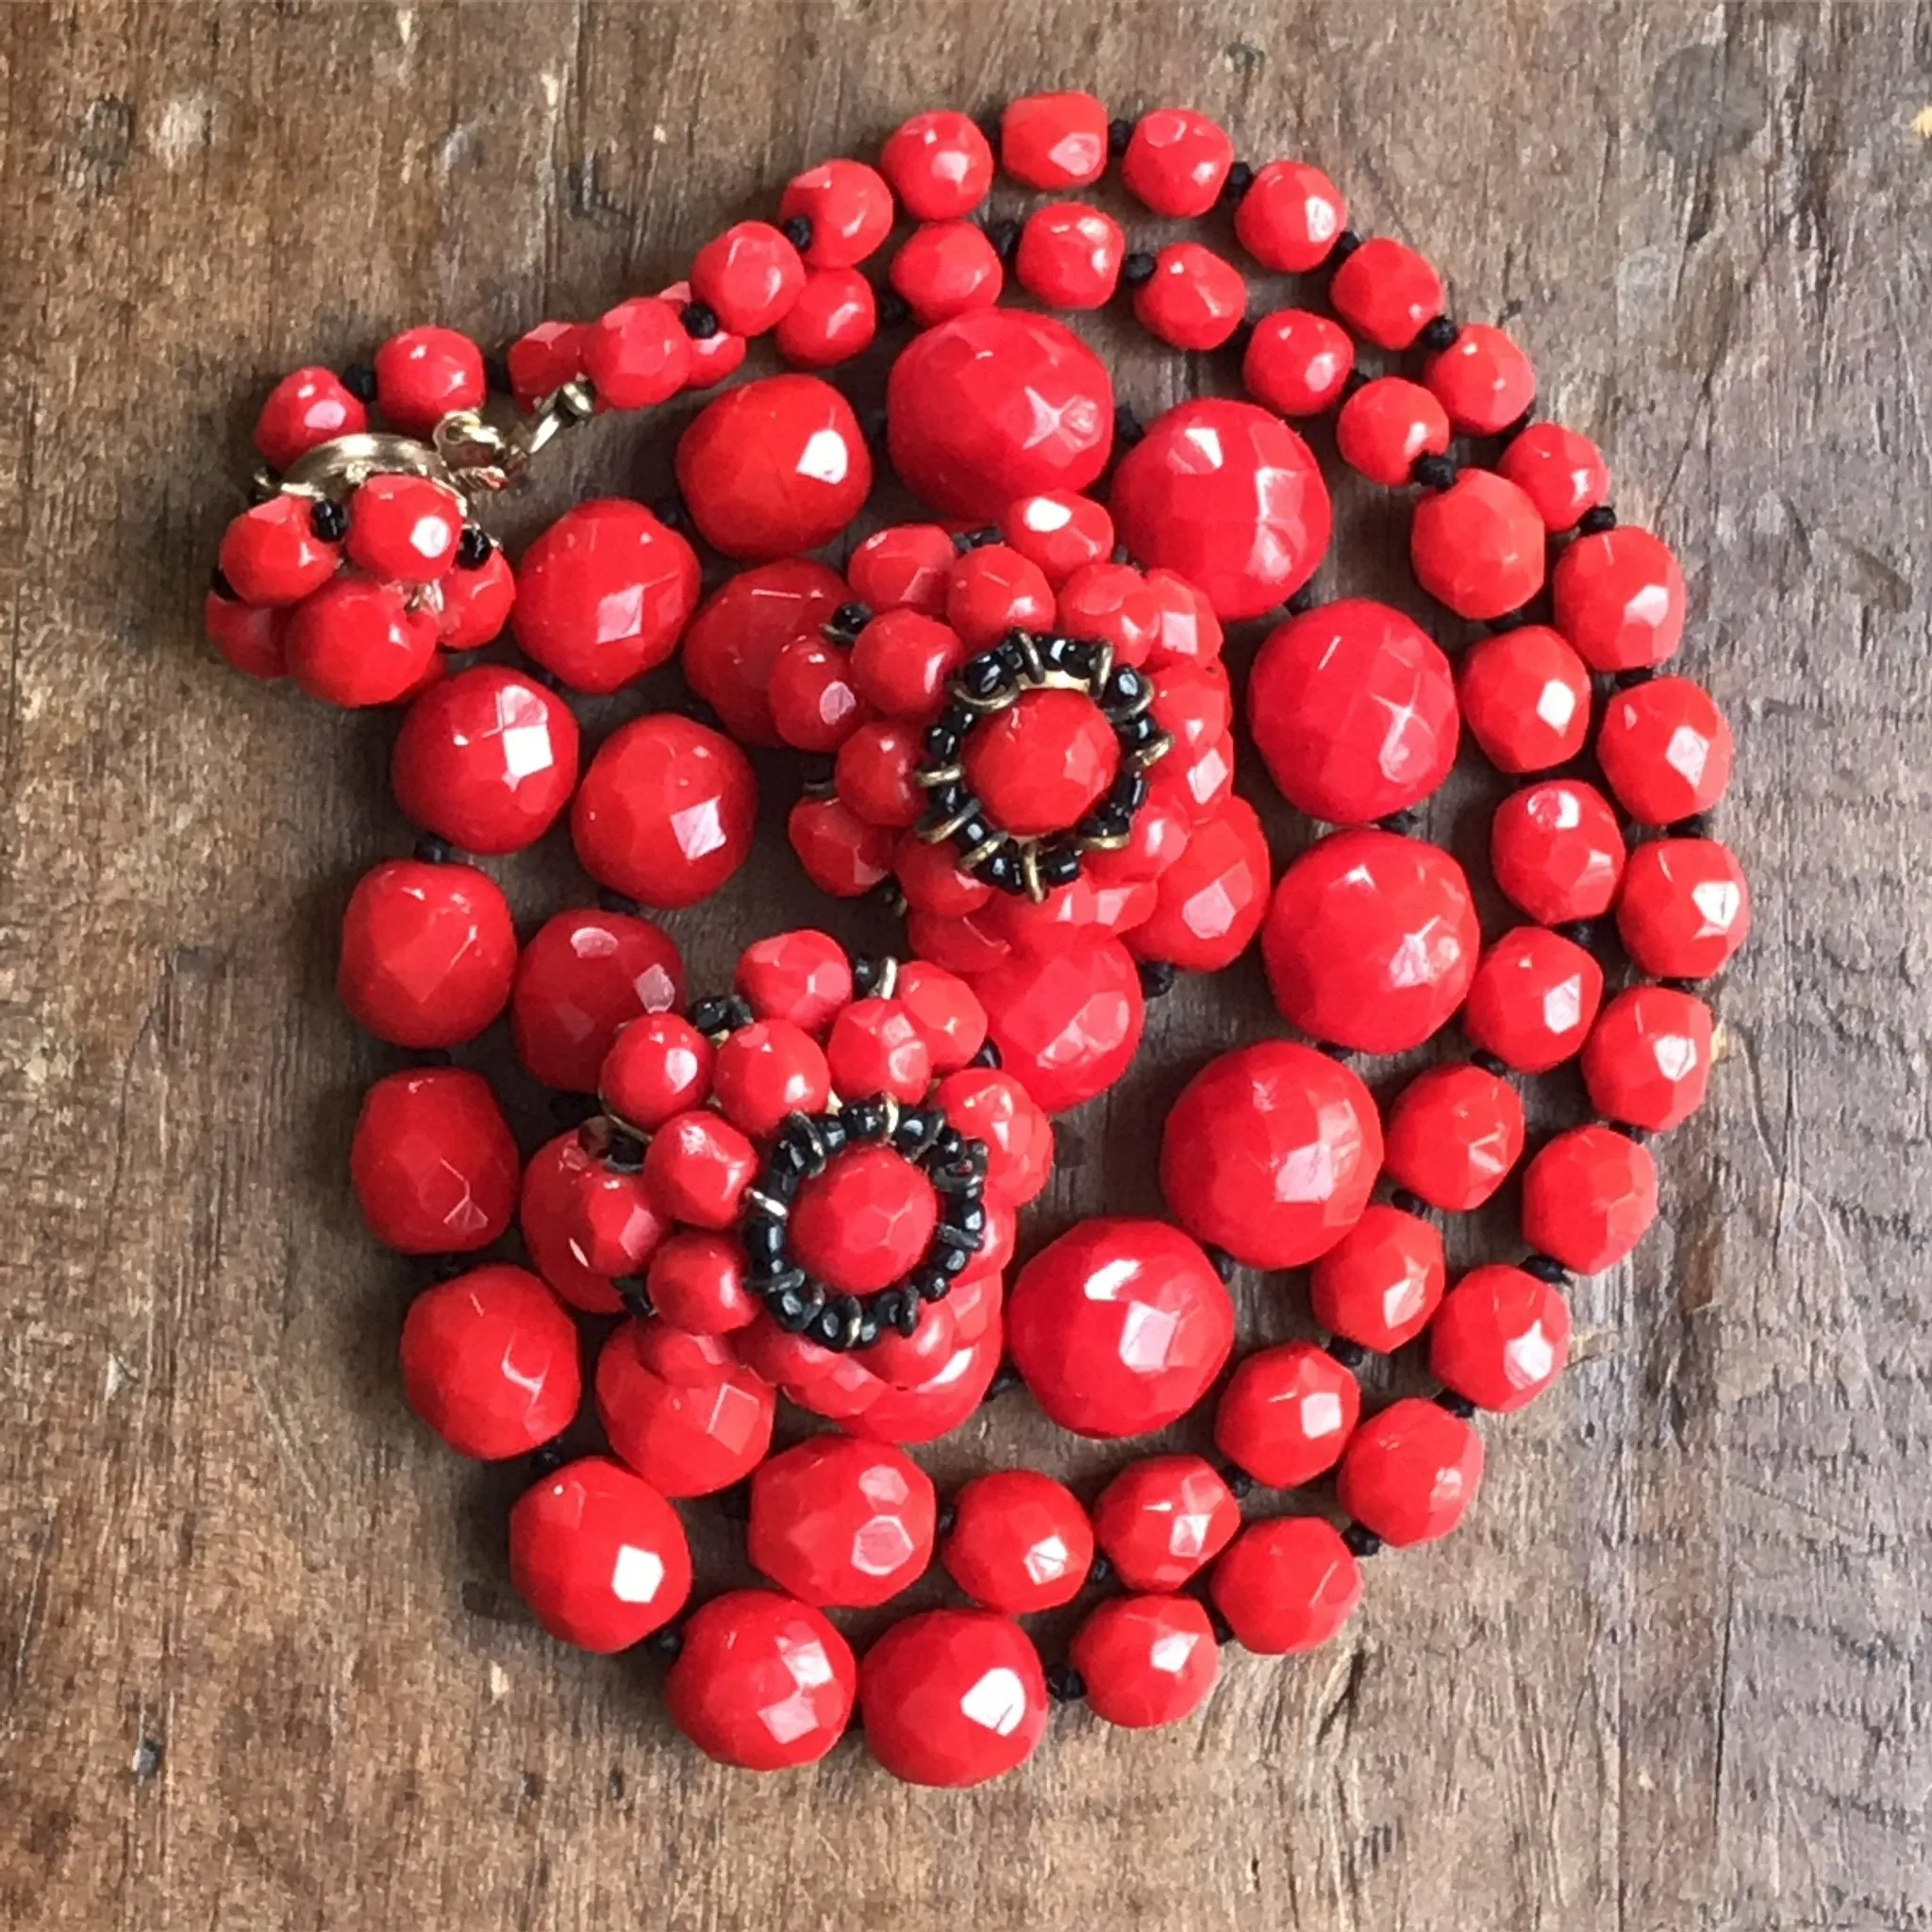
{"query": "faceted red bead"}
[(967, 942), (1410, 1473), (1371, 940), (1484, 381), (475, 603), (1533, 1000), (994, 1107), (1111, 604), (307, 409), (1647, 1062), (1053, 140), (849, 206), (696, 1282), (1070, 917), (637, 354), (433, 1163), (902, 567), (659, 1065), (1190, 632), (902, 659), (1352, 708), (1588, 1197), (1386, 425), (1156, 840), (543, 360), (697, 1169), (945, 269), (690, 1440), (1162, 1518), (1619, 598), (1146, 1660), (1226, 495), (877, 1046), (1069, 255), (1212, 898), (1386, 291), (1556, 851), (1119, 1326), (1289, 217), (1478, 545), (952, 1698), (1297, 362), (994, 590), (1194, 299), (490, 1362), (1019, 1541), (932, 881), (581, 977), (1454, 1134), (425, 374), (666, 811), (252, 637), (906, 1360), (355, 643), (428, 953), (270, 554), (1500, 1337), (774, 467), (1380, 1283), (802, 976), (1665, 749), (603, 593), (1684, 908), (1286, 1585), (598, 1555), (546, 1218), (839, 1521), (1286, 1413), (865, 1222), (1270, 1152), (939, 165), (766, 1071), (1059, 531), (1526, 698), (1561, 473), (834, 319), (762, 1682), (1066, 1024), (685, 1361), (815, 705), (1040, 764), (1178, 161), (946, 1010), (840, 853), (940, 1404), (997, 404), (406, 528), (732, 643)]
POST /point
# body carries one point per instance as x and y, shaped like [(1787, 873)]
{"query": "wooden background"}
[(261, 1668)]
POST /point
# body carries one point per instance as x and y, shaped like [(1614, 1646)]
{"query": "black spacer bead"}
[(1156, 977), (623, 1152), (1593, 523), (1491, 1064), (796, 229), (1457, 1405), (666, 1643), (445, 1267), (1350, 1355), (1064, 1684), (1241, 177), (1138, 267), (496, 376), (964, 540), (1629, 680), (1005, 237), (1127, 427), (815, 772), (1244, 334), (1302, 602), (329, 520), (1580, 932), (1406, 1203), (1629, 1130), (358, 378), (1118, 135), (434, 851), (989, 124), (1361, 1540), (669, 509), (943, 1523), (1005, 1378), (1221, 1261), (893, 309), (1345, 244), (541, 673), (1696, 826), (1439, 335), (987, 1055), (546, 1458), (1240, 1484), (1352, 381), (1402, 824), (1546, 1268), (634, 1295), (1435, 472), (221, 587), (1335, 1050), (700, 321), (622, 902), (1099, 1572), (1222, 1629), (474, 548), (699, 712)]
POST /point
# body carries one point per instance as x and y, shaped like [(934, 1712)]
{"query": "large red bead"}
[(993, 405), (1526, 698), (1042, 763), (1381, 1282), (547, 1219), (1162, 1518), (490, 1362), (1019, 1541), (581, 977), (666, 811), (1478, 545), (749, 277), (307, 409), (1483, 380), (839, 1521), (1354, 710), (802, 977), (766, 1071), (774, 467), (1119, 1326), (1647, 1062), (1069, 255), (1176, 162), (1500, 1337), (734, 641), (598, 1555), (1561, 473), (1286, 1413), (952, 1698), (603, 593), (761, 1681), (1371, 940), (1684, 908), (1665, 749), (1066, 1024), (1053, 140), (1194, 299), (1619, 598), (1588, 1197), (1227, 495), (1289, 217), (1146, 1660), (1210, 901), (849, 206), (1297, 362), (865, 1222), (433, 1163), (1410, 1473), (939, 165), (428, 953), (1533, 1000), (1454, 1134), (1386, 291), (688, 1439), (1288, 1585), (1556, 850), (994, 1108), (1270, 1152), (355, 643)]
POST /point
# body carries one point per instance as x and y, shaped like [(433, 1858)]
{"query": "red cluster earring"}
[(1015, 718)]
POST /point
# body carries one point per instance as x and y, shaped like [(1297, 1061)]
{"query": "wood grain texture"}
[(263, 1666)]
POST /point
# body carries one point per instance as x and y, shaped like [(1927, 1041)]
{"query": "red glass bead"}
[(1146, 1660), (270, 554), (714, 356), (1371, 940), (603, 593), (689, 1440), (1478, 545), (1500, 1337), (903, 567), (945, 269), (1270, 1152), (1119, 1326), (1588, 1197), (994, 1107), (1352, 708), (732, 643), (840, 853), (422, 375), (659, 1065), (945, 1009), (842, 1522), (906, 1360), (475, 603), (1453, 1136), (1684, 908), (1286, 1413), (1387, 292), (762, 1682), (1053, 140), (1066, 1024), (1647, 1062), (902, 660), (1561, 473), (968, 943), (1619, 599), (428, 953), (355, 644), (1039, 765), (1059, 531), (1190, 632), (1379, 1284), (697, 1168), (1158, 839), (581, 977), (849, 206), (1483, 380), (997, 404), (1069, 255), (1178, 161), (834, 319), (932, 881), (543, 360), (1111, 604), (952, 1698), (252, 637), (546, 1218), (404, 527), (802, 977), (598, 1555), (1070, 917), (1556, 851), (865, 1222), (1230, 497), (666, 811), (1526, 698), (1289, 217), (1162, 1518), (939, 1404), (1019, 1541), (1210, 901), (1533, 1000), (685, 1361), (1287, 1585), (637, 354), (433, 1162), (1296, 362), (307, 409), (994, 590), (1410, 1473), (766, 1071), (490, 1362), (939, 165), (815, 705), (1386, 424), (696, 1282), (877, 1047), (774, 467), (1194, 299), (1665, 749)]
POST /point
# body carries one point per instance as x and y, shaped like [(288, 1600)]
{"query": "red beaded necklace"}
[(1017, 720)]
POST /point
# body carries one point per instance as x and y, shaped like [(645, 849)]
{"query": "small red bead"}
[(1386, 425), (842, 1522), (1162, 1519), (766, 1071), (1059, 531), (1286, 1413), (1561, 473), (749, 276), (1194, 299), (598, 1555), (637, 354), (1556, 851), (422, 375), (802, 977), (952, 1698), (1483, 380), (1665, 749), (1210, 901), (1053, 140), (1387, 292), (992, 1106), (1071, 916), (685, 1361), (903, 660), (582, 976), (849, 206), (659, 1065), (1379, 1284), (1146, 1660), (814, 704), (270, 554), (1289, 217), (546, 1219), (906, 1360), (1684, 908), (1066, 1024), (696, 1282), (875, 1046), (1410, 1473), (697, 1169), (732, 643), (303, 411), (932, 881), (714, 356), (1478, 545), (840, 853), (690, 1440), (1297, 362), (252, 637), (1533, 1000), (1041, 763), (1069, 255), (1190, 632), (1500, 1337), (355, 644), (1648, 1060), (762, 1682), (994, 589), (945, 269), (475, 603), (864, 1222), (939, 165), (1454, 1134), (1111, 604), (1286, 1585), (428, 953), (1157, 840), (490, 1362), (903, 567), (1178, 161), (1619, 599), (946, 1010), (406, 528), (543, 360), (940, 1404), (1019, 1541), (1526, 698), (1588, 1197), (834, 319)]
